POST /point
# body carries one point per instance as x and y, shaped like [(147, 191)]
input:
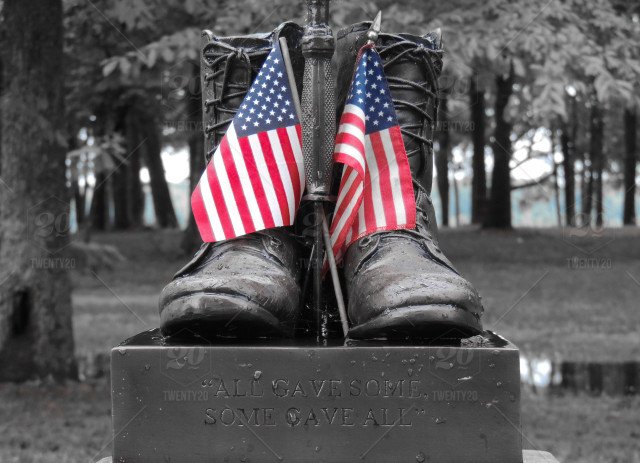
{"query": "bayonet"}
[(374, 30)]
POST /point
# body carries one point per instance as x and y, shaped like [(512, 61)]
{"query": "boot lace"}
[(221, 58), (391, 54), (406, 49)]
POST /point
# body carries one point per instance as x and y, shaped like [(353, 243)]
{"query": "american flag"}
[(376, 192), (255, 178)]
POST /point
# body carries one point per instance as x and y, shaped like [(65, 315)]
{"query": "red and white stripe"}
[(376, 193), (250, 184)]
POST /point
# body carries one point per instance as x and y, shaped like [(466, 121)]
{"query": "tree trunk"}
[(135, 195), (556, 186), (121, 218), (77, 192), (585, 175), (98, 210), (587, 192), (499, 213), (556, 194), (151, 147), (597, 159), (567, 146), (442, 161), (78, 201), (191, 237), (134, 191), (2, 42), (36, 338), (630, 161), (479, 180), (456, 198), (119, 180)]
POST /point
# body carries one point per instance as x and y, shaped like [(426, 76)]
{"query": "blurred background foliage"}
[(538, 128), (540, 99)]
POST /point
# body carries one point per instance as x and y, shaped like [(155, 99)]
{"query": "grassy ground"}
[(553, 292)]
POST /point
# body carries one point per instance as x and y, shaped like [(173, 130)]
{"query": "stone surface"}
[(297, 401), (528, 456), (536, 456)]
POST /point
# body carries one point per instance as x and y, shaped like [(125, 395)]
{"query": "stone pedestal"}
[(301, 402), (528, 456)]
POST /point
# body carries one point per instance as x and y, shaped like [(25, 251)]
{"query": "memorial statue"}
[(300, 195), (398, 282)]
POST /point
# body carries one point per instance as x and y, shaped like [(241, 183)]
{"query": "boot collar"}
[(430, 40)]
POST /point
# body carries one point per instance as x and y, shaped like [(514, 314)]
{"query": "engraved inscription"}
[(295, 416), (399, 396)]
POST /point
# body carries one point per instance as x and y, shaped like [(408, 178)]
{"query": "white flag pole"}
[(292, 81), (333, 268)]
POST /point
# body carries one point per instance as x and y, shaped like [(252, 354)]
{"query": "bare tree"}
[(35, 294)]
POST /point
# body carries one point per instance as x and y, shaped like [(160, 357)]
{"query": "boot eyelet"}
[(275, 242), (365, 242)]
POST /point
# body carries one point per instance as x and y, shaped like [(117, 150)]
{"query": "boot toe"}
[(417, 298), (241, 289), (229, 306)]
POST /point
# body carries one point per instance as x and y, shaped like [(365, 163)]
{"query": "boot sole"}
[(219, 316), (419, 322)]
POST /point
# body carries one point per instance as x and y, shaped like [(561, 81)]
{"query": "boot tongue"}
[(431, 40), (436, 38), (237, 46)]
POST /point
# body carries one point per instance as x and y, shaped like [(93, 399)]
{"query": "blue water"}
[(535, 212)]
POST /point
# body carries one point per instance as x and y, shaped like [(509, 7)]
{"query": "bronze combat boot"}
[(248, 286), (399, 284)]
